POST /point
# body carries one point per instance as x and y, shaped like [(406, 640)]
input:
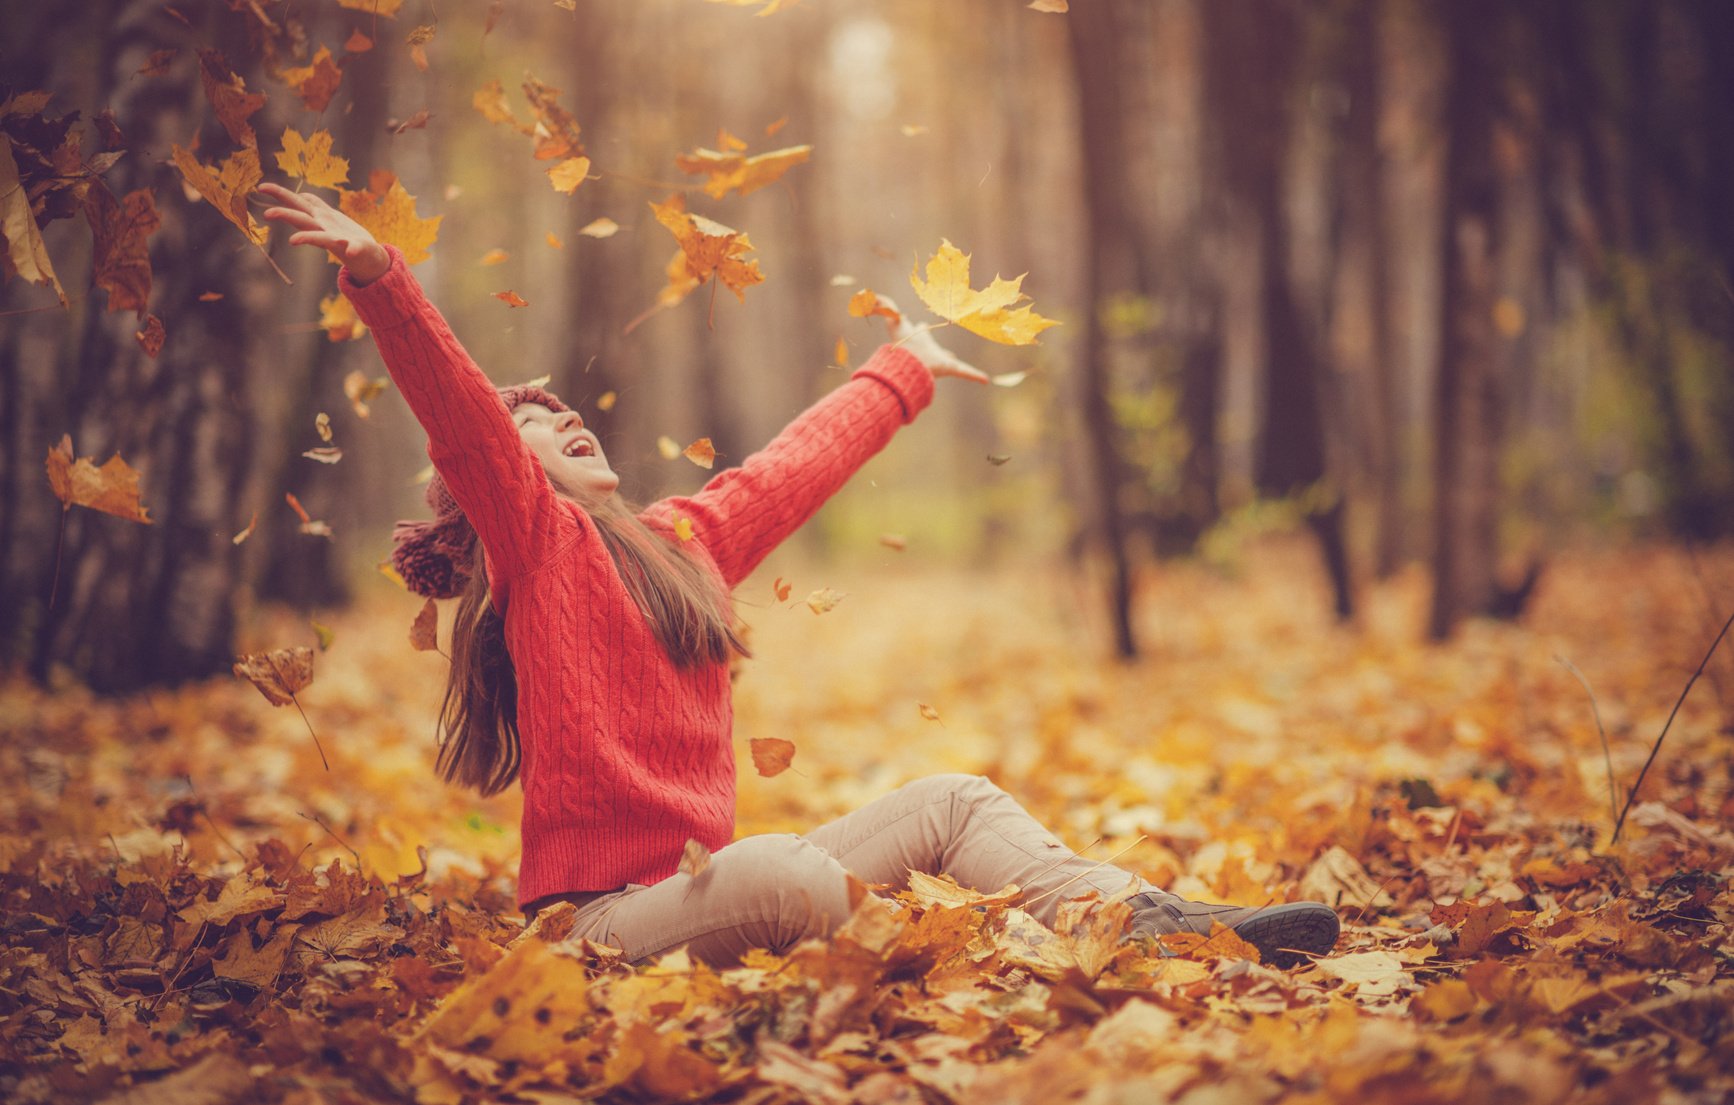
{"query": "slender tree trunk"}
[(1468, 412), (1093, 36)]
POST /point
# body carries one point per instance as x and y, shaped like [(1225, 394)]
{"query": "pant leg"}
[(966, 827), (770, 891)]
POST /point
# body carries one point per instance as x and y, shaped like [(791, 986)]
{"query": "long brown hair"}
[(686, 606)]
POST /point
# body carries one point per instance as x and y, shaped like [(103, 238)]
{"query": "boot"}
[(1285, 935)]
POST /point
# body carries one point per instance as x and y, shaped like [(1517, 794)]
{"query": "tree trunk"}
[(1467, 426)]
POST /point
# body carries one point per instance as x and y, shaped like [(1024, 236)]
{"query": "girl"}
[(591, 646)]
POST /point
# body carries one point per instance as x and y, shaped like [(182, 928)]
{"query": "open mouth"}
[(579, 447)]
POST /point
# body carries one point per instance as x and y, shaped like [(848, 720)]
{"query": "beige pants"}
[(775, 890)]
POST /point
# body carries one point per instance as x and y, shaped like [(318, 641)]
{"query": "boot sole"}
[(1290, 934)]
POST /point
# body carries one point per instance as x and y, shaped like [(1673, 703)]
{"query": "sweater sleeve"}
[(745, 512), (496, 480)]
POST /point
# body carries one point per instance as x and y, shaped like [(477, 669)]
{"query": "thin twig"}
[(1632, 796), (59, 541), (1613, 794), (1376, 893), (1141, 839), (191, 948), (318, 821)]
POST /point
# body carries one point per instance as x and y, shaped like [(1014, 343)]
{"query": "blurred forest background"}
[(1438, 284)]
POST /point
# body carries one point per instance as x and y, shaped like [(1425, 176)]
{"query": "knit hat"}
[(434, 557)]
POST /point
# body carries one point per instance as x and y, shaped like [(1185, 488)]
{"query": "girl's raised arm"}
[(471, 438)]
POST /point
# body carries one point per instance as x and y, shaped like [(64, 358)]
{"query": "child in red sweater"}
[(591, 646)]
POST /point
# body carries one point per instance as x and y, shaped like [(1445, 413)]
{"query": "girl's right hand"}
[(317, 223)]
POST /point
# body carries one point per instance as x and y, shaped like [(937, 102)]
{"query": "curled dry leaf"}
[(329, 454), (279, 673), (360, 390), (322, 423), (151, 338), (927, 711), (772, 755), (894, 541), (997, 459), (694, 859), (866, 303), (824, 599), (603, 227), (494, 256), (781, 589), (701, 453), (112, 489), (338, 319), (309, 525), (325, 634), (424, 631), (418, 121), (252, 525), (554, 242), (511, 298)]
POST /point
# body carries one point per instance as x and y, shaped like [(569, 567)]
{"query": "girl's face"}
[(569, 453)]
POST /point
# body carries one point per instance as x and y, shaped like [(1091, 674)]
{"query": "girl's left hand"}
[(919, 340)]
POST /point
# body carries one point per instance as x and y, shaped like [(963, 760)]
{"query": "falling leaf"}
[(210, 297), (866, 303), (418, 121), (824, 599), (947, 292), (327, 455), (683, 528), (781, 589), (357, 43), (151, 338), (556, 131), (511, 299), (997, 459), (158, 63), (895, 541), (555, 242), (568, 174), (112, 489), (386, 8), (424, 631), (229, 96), (604, 227), (841, 354), (310, 159), (325, 634), (490, 100), (279, 673), (694, 859), (416, 40), (927, 711), (309, 525), (605, 402), (735, 172), (322, 423), (338, 319), (711, 249), (387, 211), (772, 128), (668, 447), (843, 280), (913, 130), (1010, 379), (119, 230), (316, 83), (248, 532), (227, 189), (494, 257), (772, 755), (25, 252), (495, 8), (361, 390), (1056, 6), (701, 453)]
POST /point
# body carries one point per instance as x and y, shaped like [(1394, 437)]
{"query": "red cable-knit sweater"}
[(625, 756)]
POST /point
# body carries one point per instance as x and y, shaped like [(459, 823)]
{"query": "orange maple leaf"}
[(734, 171), (711, 249), (316, 83), (227, 188), (388, 212), (112, 489), (119, 230)]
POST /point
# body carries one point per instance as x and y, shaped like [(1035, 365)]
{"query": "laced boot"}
[(1285, 935)]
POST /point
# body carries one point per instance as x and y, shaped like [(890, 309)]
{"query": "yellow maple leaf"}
[(733, 171), (387, 8), (311, 159), (947, 292), (711, 248), (569, 174), (226, 189), (388, 212), (338, 319), (112, 489)]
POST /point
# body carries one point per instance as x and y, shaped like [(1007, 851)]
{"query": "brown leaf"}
[(772, 755), (278, 673), (424, 631), (328, 454), (781, 589), (315, 83), (120, 262), (361, 390), (112, 489), (511, 299), (151, 338), (701, 453), (248, 532), (229, 96), (418, 121)]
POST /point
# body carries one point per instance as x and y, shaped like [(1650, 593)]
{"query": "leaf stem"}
[(1607, 756), (310, 731), (59, 542)]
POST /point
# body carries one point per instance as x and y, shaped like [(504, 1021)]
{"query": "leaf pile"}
[(192, 907)]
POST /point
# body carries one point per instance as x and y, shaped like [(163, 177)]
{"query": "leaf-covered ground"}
[(194, 910)]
